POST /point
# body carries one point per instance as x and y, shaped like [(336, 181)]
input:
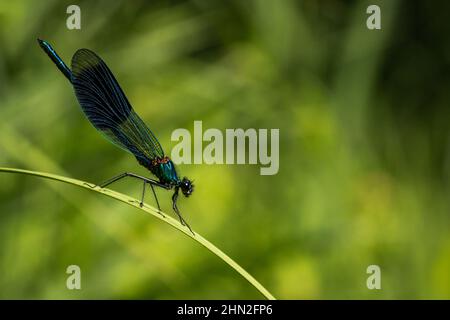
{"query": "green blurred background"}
[(364, 149)]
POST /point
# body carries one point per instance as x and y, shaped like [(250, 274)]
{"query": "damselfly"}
[(107, 108)]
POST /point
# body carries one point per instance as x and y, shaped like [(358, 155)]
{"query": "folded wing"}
[(108, 109)]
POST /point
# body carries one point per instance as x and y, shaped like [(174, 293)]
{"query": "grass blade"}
[(154, 212)]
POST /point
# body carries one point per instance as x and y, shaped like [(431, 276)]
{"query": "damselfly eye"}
[(186, 187)]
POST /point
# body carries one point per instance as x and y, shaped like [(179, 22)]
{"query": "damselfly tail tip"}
[(41, 42)]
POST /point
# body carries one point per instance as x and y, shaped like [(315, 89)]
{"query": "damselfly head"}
[(186, 187)]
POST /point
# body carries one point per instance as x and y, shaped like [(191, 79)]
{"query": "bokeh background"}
[(364, 149)]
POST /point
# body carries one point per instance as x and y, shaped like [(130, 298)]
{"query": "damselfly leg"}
[(143, 195), (156, 198), (152, 184), (145, 180), (175, 208)]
